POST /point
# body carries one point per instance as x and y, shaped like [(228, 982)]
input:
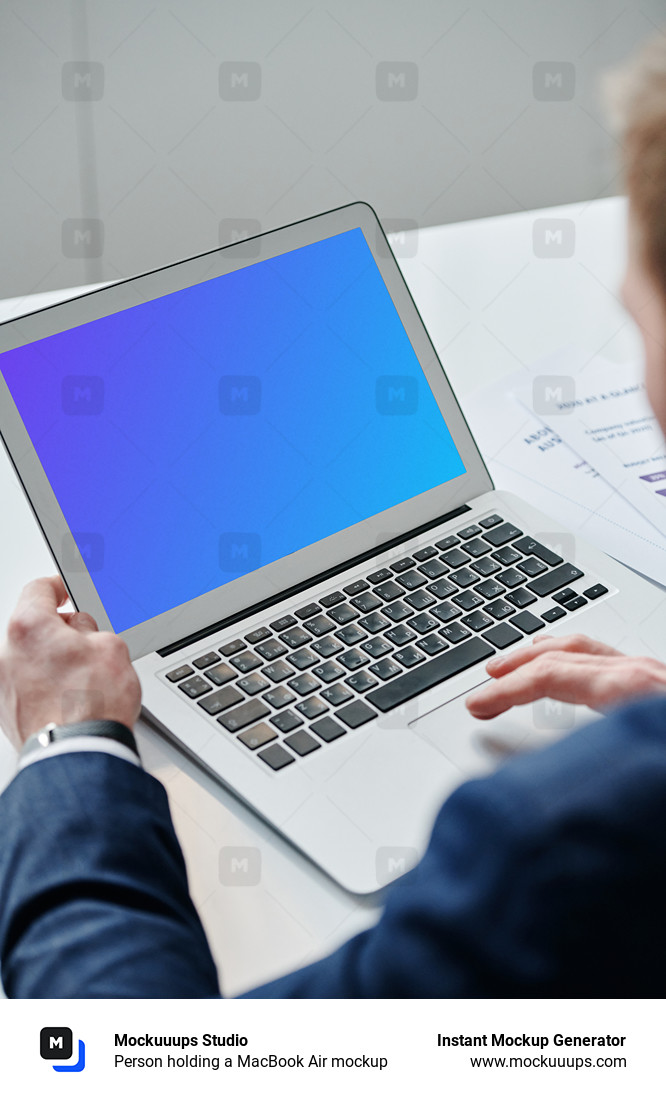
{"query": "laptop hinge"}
[(247, 612)]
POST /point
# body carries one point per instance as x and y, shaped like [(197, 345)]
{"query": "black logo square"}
[(55, 1043)]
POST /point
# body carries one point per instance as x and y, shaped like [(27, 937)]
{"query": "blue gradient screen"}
[(194, 438)]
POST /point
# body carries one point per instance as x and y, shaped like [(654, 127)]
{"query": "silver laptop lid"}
[(196, 440)]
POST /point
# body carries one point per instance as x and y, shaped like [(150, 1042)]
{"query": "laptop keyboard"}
[(306, 679)]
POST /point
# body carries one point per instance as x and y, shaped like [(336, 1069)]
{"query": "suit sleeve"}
[(94, 896)]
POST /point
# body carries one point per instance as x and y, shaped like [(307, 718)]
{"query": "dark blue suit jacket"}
[(546, 879)]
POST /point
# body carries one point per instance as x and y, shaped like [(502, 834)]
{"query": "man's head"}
[(637, 94)]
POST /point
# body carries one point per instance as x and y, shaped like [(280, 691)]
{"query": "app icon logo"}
[(56, 1043)]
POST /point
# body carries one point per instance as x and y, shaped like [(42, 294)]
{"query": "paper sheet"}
[(529, 458)]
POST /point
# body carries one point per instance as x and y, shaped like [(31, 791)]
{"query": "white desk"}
[(490, 304)]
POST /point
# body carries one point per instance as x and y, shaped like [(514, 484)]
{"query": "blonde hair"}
[(636, 96)]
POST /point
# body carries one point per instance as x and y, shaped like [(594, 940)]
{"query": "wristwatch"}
[(52, 734)]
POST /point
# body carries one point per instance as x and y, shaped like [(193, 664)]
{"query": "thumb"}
[(80, 621)]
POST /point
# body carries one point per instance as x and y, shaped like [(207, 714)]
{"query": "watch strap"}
[(104, 730)]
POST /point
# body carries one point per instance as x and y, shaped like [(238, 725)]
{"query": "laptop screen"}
[(194, 438)]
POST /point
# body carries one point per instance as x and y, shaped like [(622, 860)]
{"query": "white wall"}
[(159, 158)]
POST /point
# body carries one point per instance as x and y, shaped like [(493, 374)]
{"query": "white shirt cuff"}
[(81, 744)]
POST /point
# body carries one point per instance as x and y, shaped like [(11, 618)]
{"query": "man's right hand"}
[(57, 667)]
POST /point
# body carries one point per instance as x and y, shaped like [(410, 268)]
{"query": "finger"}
[(576, 643), (567, 677), (80, 621), (41, 598)]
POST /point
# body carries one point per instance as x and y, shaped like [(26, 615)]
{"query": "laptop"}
[(251, 466)]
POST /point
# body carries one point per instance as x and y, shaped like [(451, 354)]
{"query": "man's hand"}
[(568, 669), (58, 667)]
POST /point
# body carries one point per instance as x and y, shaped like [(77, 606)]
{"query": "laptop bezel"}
[(269, 581)]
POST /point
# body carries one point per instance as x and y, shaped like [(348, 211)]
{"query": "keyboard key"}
[(261, 634), (419, 599), (271, 649), (511, 578), (302, 659), (319, 625), (221, 674), (409, 656), (252, 684), (529, 546), (553, 613), (356, 714), (455, 633), (221, 700), (553, 581), (521, 597), (434, 569), (425, 553), (398, 611), (527, 622), (507, 555), (502, 636), (432, 644), (446, 612), (469, 532), (328, 672), (489, 589), (485, 566), (442, 588), (455, 558), (295, 637), (343, 614), (351, 635), (286, 721), (430, 673), (356, 588), (257, 736), (311, 707), (366, 602), (575, 604), (327, 729), (276, 757), (304, 684), (279, 697), (531, 566), (278, 671), (353, 659), (490, 521), (308, 611), (232, 647), (246, 661), (283, 623), (374, 622), (389, 591), (499, 609), (376, 647), (595, 591), (423, 623), (327, 646), (205, 661), (247, 714), (400, 635), (565, 595), (332, 599), (463, 578), (476, 547), (302, 743), (337, 694), (477, 620), (361, 682), (403, 564), (379, 576), (446, 543), (468, 600), (412, 580), (505, 532), (385, 669), (179, 673), (194, 687)]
